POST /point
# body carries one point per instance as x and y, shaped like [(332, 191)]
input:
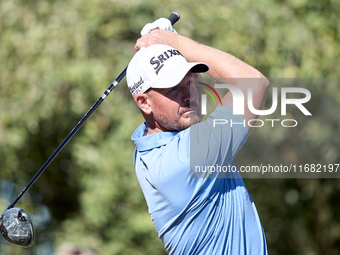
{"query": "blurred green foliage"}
[(58, 57)]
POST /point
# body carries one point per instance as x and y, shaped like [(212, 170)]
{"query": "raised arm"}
[(223, 67)]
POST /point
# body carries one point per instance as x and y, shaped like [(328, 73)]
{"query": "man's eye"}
[(173, 88)]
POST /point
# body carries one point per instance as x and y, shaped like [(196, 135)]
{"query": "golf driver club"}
[(16, 227)]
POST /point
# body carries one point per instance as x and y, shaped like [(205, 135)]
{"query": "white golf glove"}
[(162, 23)]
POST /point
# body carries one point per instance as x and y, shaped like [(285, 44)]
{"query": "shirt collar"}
[(149, 142)]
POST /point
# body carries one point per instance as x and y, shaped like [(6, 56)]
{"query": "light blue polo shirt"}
[(211, 215)]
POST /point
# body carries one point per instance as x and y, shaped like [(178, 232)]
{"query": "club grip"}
[(174, 17)]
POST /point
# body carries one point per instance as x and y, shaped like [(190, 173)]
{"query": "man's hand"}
[(157, 36)]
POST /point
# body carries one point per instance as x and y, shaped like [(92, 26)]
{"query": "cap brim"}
[(177, 74)]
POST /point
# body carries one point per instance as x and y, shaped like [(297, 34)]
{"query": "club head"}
[(16, 227)]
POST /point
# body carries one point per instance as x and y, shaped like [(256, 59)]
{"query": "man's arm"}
[(223, 67)]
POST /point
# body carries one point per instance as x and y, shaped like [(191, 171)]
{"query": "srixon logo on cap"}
[(159, 60)]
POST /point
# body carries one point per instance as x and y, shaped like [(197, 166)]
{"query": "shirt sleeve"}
[(215, 142)]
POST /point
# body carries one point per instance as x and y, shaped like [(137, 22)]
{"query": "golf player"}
[(213, 213)]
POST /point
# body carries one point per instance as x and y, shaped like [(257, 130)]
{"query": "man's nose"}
[(188, 94)]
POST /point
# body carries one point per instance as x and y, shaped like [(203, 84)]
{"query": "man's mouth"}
[(190, 110)]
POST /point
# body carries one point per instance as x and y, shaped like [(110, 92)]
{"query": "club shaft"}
[(69, 136), (174, 17)]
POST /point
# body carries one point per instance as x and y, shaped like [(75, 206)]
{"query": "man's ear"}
[(143, 102)]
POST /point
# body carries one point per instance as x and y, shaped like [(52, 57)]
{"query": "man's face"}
[(176, 108)]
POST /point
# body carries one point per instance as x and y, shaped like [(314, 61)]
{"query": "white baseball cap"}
[(159, 66)]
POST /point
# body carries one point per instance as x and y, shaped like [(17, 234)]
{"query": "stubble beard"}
[(178, 124)]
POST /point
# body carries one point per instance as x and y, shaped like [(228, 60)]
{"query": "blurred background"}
[(58, 57)]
